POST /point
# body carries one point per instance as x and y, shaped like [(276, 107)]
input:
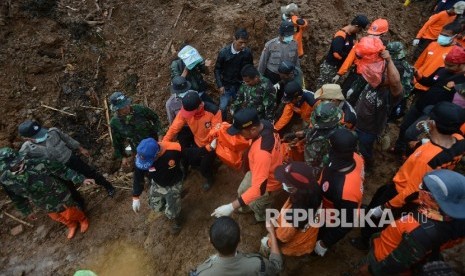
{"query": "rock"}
[(16, 230)]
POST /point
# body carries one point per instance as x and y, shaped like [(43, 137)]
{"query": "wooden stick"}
[(61, 111), (177, 18), (121, 187), (91, 107), (18, 220), (107, 115), (167, 48)]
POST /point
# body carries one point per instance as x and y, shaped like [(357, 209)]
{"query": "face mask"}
[(444, 40), (286, 188), (40, 140), (288, 39)]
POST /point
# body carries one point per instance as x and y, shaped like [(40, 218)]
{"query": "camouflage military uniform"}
[(42, 182), (141, 123), (327, 73), (397, 51), (167, 199), (261, 97), (325, 119)]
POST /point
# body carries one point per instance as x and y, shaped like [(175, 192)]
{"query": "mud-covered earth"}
[(71, 54)]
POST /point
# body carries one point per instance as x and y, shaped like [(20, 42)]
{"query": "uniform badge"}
[(208, 124), (171, 163)]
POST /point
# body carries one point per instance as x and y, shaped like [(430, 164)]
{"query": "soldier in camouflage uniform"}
[(131, 123), (42, 182), (325, 119), (256, 92), (160, 161), (406, 72)]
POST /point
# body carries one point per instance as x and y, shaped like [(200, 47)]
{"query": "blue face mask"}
[(288, 39), (445, 40), (284, 17), (40, 140)]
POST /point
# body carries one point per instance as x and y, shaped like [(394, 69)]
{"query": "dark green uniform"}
[(261, 97), (240, 265), (41, 182), (141, 123)]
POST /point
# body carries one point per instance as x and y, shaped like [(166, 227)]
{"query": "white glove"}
[(264, 241), (277, 86), (214, 143), (319, 249), (336, 78), (135, 205), (376, 212), (349, 92), (415, 42), (224, 210)]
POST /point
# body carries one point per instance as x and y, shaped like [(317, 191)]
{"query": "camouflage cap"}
[(396, 50), (326, 115)]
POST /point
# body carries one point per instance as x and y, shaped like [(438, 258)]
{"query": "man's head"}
[(331, 92), (225, 235), (32, 130), (290, 9), (446, 189), (448, 33), (455, 60), (292, 92), (286, 31), (343, 145), (378, 27), (246, 123), (286, 70), (179, 86), (241, 37), (396, 50), (360, 22), (191, 104), (250, 75), (447, 117), (458, 8), (120, 104), (295, 176), (326, 115), (147, 152)]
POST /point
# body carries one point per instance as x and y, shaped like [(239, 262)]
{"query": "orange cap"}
[(378, 27)]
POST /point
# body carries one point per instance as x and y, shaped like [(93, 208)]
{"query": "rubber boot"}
[(72, 227), (84, 225)]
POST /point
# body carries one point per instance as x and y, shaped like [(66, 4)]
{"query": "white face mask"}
[(284, 17), (286, 188), (288, 39), (40, 140)]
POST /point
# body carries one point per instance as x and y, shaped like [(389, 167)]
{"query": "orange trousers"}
[(69, 217)]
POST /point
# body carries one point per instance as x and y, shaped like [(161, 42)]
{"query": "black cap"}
[(292, 90), (179, 85), (361, 21), (243, 119), (286, 28), (191, 101), (448, 117), (31, 129), (298, 174), (343, 140), (286, 67)]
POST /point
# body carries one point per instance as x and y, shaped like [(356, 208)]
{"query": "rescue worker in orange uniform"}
[(296, 109), (438, 223), (342, 186), (444, 150), (200, 117), (432, 28), (291, 13), (259, 186)]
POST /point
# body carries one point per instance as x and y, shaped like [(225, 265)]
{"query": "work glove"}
[(135, 204), (214, 143), (336, 78), (264, 241), (376, 212), (415, 42), (319, 249), (277, 86), (224, 210)]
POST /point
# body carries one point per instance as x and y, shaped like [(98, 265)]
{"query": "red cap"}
[(187, 114), (456, 55)]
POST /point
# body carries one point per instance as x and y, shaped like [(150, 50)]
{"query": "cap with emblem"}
[(179, 85), (297, 174), (291, 91), (190, 102), (378, 27), (32, 129), (118, 100), (243, 119), (147, 150)]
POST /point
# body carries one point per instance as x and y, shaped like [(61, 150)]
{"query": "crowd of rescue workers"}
[(298, 149)]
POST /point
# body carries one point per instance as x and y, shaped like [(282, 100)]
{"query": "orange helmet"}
[(378, 27)]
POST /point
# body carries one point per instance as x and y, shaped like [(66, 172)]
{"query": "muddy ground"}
[(71, 54)]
